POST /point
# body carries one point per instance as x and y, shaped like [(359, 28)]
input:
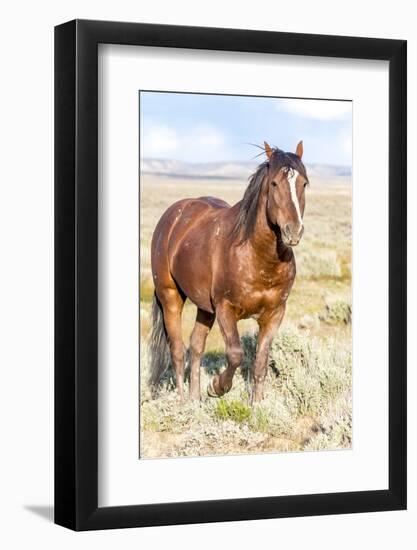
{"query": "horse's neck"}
[(265, 241)]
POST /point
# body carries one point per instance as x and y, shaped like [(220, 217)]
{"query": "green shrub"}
[(311, 373), (312, 264), (337, 311), (274, 415), (336, 426), (234, 410)]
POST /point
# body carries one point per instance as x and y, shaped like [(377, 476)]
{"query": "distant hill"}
[(227, 170)]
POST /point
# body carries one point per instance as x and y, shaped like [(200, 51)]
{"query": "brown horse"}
[(232, 263)]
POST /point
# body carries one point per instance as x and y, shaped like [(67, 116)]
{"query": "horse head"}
[(286, 183)]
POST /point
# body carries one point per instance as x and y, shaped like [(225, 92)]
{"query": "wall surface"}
[(26, 289)]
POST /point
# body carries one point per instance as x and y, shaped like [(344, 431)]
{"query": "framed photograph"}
[(230, 254)]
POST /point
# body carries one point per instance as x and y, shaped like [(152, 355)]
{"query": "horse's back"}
[(214, 202), (184, 214)]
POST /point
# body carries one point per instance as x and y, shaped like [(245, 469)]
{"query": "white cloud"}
[(346, 143), (160, 141), (319, 109), (206, 136)]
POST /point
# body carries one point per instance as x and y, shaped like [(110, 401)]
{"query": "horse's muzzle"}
[(292, 233)]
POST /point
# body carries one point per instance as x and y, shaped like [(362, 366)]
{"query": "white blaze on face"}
[(292, 181)]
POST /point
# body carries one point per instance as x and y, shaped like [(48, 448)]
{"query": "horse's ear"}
[(299, 151), (268, 150)]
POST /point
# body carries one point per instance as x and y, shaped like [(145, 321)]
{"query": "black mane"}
[(244, 224)]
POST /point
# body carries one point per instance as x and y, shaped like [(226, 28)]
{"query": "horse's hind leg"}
[(222, 383), (202, 327), (172, 304)]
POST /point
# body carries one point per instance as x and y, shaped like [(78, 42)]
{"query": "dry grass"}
[(308, 391)]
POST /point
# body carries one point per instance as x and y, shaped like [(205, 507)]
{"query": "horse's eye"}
[(305, 184), (274, 184)]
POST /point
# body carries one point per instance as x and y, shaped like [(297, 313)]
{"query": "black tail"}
[(158, 345)]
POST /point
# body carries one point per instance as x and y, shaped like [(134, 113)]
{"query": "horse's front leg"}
[(221, 384), (268, 325)]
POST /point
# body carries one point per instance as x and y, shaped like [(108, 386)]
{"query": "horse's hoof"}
[(211, 391), (214, 389)]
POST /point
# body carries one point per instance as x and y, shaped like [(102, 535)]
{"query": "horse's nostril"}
[(286, 229)]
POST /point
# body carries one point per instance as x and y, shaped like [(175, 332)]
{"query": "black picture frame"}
[(76, 272)]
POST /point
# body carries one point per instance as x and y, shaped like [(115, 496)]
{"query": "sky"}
[(219, 128)]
